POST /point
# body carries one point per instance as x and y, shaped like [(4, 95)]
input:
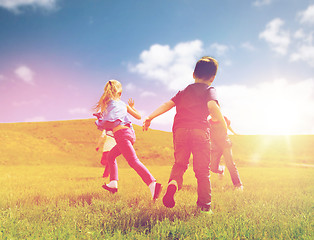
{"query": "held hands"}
[(146, 124), (160, 110)]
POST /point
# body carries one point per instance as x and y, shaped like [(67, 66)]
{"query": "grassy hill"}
[(73, 142), (51, 188)]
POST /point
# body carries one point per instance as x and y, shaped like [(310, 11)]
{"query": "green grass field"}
[(50, 188)]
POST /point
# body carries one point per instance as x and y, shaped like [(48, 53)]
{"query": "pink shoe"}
[(112, 190)]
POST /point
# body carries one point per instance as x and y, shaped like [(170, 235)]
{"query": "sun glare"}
[(281, 110), (278, 107), (280, 120)]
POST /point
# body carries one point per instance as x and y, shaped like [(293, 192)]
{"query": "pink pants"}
[(125, 139)]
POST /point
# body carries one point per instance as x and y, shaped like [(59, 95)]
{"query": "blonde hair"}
[(112, 90)]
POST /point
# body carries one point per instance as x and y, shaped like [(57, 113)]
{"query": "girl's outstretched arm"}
[(160, 110), (231, 130), (132, 110)]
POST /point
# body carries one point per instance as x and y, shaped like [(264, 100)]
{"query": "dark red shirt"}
[(191, 106)]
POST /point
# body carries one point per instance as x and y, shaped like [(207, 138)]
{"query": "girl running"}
[(114, 118)]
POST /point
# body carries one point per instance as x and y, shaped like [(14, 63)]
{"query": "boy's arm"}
[(215, 113), (132, 110), (160, 110)]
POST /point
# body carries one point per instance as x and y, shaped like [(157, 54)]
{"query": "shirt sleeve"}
[(176, 98), (212, 95)]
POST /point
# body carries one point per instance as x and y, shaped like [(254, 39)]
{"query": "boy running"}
[(191, 132)]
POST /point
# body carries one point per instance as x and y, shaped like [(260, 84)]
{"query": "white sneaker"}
[(221, 175), (239, 188)]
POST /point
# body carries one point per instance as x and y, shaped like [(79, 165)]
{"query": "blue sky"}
[(56, 55)]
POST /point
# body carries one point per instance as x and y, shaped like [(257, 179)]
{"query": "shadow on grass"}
[(71, 200), (143, 217), (112, 211)]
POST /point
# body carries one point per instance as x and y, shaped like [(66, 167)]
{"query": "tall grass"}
[(54, 202), (50, 188)]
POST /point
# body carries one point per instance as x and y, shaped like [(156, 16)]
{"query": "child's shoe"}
[(205, 210), (221, 175), (209, 212), (238, 188), (110, 189), (168, 199)]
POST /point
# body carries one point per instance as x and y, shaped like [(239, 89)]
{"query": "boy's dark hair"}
[(205, 68)]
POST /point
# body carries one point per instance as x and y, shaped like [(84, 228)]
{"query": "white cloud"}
[(219, 49), (2, 77), (299, 34), (307, 16), (300, 45), (25, 74), (248, 46), (148, 94), (36, 119), (78, 111), (276, 107), (304, 48), (259, 3), (16, 5), (130, 87), (171, 67), (304, 53), (276, 37)]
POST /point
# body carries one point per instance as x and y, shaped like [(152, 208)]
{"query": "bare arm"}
[(101, 141), (132, 110), (231, 130), (215, 113), (160, 110)]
